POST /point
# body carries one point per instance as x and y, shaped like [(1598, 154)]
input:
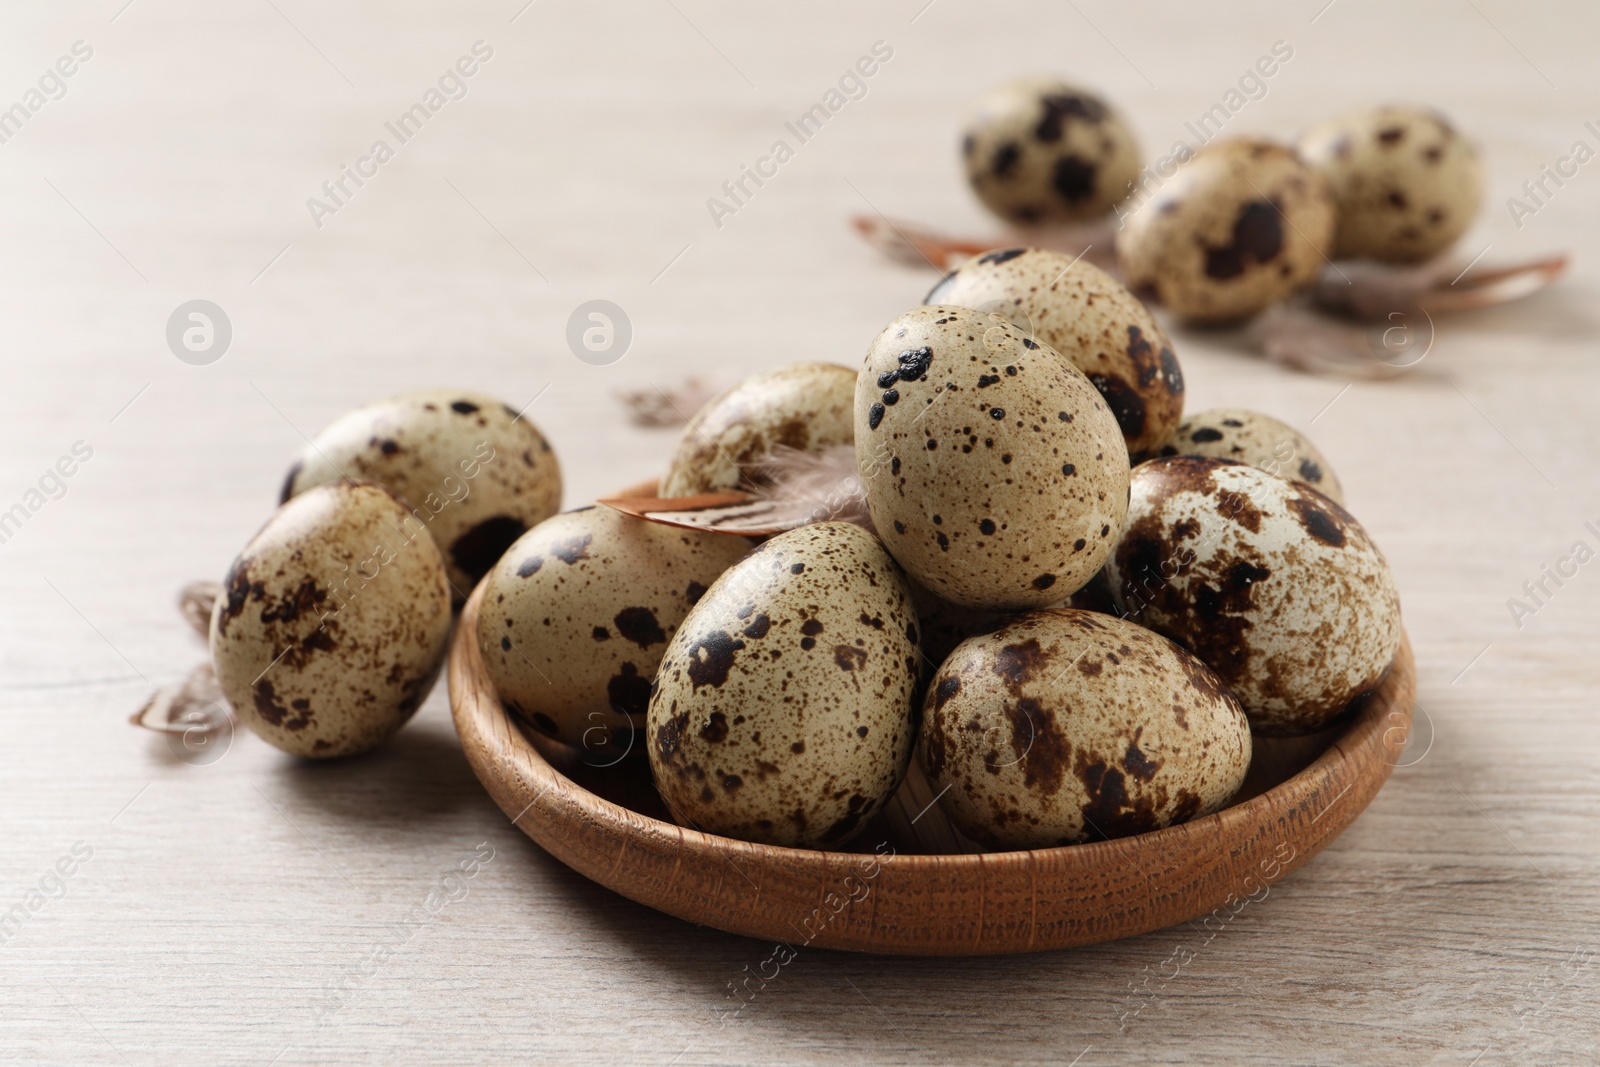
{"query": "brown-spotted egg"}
[(1274, 586), (1066, 726), (804, 406), (782, 709), (332, 623), (474, 472), (992, 468), (1043, 151), (1407, 184), (1259, 440), (578, 611), (1092, 321), (1240, 226)]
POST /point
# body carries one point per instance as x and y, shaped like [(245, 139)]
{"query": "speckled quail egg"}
[(804, 406), (992, 468), (1240, 226), (783, 707), (1089, 318), (1407, 184), (1066, 726), (578, 611), (1042, 151), (1273, 585), (1259, 440), (333, 622), (474, 473)]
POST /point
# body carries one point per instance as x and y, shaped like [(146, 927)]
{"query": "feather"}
[(194, 706), (791, 489), (918, 246), (824, 485), (1366, 290), (1298, 336), (195, 602)]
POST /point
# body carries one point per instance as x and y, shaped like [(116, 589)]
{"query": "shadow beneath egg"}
[(417, 776)]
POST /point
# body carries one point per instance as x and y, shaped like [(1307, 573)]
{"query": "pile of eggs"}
[(1242, 223), (1073, 605)]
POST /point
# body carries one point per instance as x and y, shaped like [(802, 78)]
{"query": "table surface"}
[(253, 909)]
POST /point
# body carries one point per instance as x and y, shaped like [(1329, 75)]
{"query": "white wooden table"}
[(253, 909)]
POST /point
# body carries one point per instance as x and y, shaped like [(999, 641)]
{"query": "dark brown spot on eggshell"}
[(1319, 521), (1124, 401), (640, 626), (1257, 239), (1073, 178), (711, 658), (572, 549), (848, 658), (628, 691), (1039, 744)]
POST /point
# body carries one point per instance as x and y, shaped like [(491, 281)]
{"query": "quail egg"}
[(578, 611), (1066, 726), (333, 622), (1240, 226), (1274, 586), (1042, 151), (992, 468), (783, 710), (473, 472), (1259, 440), (1407, 184), (1091, 320), (805, 406)]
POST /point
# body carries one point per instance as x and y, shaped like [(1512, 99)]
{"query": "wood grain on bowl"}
[(885, 899)]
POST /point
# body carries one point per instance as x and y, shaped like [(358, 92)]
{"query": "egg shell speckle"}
[(1240, 226), (332, 625), (577, 613), (473, 473), (804, 406), (1259, 440), (1273, 585), (1092, 321), (1067, 726), (1043, 151), (1407, 184), (991, 467), (783, 707)]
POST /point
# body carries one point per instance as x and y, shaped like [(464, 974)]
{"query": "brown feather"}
[(793, 489)]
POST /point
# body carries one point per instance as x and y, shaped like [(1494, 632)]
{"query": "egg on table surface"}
[(804, 406), (1041, 151), (782, 709), (577, 613), (1239, 227), (1092, 321), (992, 468), (1407, 184), (1259, 440), (1274, 586), (473, 472), (332, 623), (1066, 726)]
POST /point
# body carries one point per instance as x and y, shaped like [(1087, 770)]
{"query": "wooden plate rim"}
[(1075, 895)]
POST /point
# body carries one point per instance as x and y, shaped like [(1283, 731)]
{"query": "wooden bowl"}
[(883, 899)]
